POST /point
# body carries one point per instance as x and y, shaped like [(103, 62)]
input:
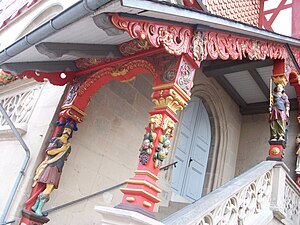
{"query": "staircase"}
[(263, 195)]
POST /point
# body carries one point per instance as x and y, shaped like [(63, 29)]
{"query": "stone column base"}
[(113, 216)]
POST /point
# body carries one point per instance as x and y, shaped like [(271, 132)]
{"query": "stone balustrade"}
[(263, 194)]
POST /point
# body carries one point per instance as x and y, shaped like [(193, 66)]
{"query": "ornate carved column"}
[(279, 111), (41, 189), (171, 93)]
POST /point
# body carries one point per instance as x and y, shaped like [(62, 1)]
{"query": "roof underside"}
[(247, 86)]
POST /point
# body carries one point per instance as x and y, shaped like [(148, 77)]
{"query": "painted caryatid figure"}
[(49, 171), (279, 114)]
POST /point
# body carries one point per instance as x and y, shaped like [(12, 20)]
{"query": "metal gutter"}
[(183, 14), (22, 170), (63, 19)]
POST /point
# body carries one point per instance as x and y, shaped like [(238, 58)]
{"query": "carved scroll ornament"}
[(116, 71), (175, 39), (225, 46)]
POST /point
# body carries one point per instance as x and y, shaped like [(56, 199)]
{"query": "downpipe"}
[(22, 170)]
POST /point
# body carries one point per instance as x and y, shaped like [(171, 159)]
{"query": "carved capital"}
[(169, 99), (175, 39), (71, 111)]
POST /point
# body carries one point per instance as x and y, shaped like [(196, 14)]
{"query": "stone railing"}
[(19, 102), (262, 194)]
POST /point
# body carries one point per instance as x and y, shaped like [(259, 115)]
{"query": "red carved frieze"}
[(227, 46), (175, 39)]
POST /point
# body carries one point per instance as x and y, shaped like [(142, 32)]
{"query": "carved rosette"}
[(185, 77), (175, 39)]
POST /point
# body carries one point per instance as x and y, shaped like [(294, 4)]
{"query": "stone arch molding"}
[(219, 143), (215, 108)]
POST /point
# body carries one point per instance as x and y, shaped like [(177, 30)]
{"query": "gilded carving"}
[(172, 100), (280, 79), (149, 137), (133, 47), (164, 143), (115, 71)]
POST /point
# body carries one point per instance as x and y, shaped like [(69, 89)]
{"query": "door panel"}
[(194, 144), (183, 146)]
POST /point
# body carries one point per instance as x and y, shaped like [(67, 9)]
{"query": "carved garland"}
[(175, 39)]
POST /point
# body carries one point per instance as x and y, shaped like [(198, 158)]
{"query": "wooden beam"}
[(56, 50), (231, 91), (260, 82), (263, 107), (46, 66), (234, 66)]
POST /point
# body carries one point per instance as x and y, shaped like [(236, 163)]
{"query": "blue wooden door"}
[(192, 151)]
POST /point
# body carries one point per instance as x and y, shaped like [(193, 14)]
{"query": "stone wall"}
[(254, 146), (104, 150)]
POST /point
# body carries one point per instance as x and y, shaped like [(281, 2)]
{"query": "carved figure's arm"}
[(55, 151)]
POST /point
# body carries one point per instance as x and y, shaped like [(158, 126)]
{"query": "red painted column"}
[(170, 95)]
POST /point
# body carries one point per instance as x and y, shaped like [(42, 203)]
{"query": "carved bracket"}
[(175, 39), (55, 78)]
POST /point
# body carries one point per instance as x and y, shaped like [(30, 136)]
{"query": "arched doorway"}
[(192, 151)]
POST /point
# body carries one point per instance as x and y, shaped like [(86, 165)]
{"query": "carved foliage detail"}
[(149, 137), (225, 46), (175, 39), (164, 143), (169, 99)]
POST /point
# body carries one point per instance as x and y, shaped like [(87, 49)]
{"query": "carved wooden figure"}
[(49, 171)]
